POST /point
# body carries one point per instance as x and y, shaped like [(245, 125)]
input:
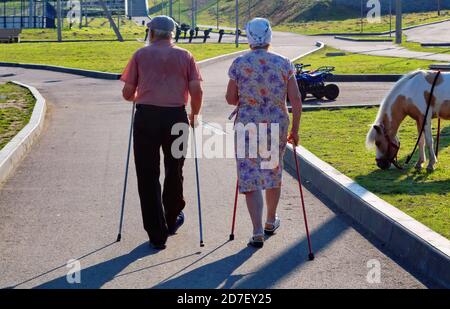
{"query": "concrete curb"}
[(319, 45), (104, 75), (352, 78), (12, 154), (338, 37), (420, 248), (435, 44), (53, 68)]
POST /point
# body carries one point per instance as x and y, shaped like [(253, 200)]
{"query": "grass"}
[(354, 25), (16, 107), (98, 29), (364, 64), (340, 141), (100, 56)]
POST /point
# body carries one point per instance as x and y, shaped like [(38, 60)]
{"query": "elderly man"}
[(159, 78)]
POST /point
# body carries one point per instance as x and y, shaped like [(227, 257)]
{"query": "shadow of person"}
[(212, 275), (96, 276)]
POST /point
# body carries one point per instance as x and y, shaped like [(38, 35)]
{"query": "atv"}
[(313, 82)]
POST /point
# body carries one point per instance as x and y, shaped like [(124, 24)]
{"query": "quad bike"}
[(313, 82)]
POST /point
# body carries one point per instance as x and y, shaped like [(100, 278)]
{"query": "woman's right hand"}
[(294, 138)]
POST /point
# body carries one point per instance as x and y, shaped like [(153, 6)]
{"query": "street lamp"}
[(237, 23), (398, 34)]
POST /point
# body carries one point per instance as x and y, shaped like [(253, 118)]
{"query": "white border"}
[(13, 152)]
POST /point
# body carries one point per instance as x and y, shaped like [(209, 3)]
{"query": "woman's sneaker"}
[(257, 241), (270, 228)]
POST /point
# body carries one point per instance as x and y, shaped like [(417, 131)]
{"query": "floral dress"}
[(262, 78)]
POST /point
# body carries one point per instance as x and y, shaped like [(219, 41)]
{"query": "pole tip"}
[(119, 238), (231, 237), (202, 244), (311, 257)]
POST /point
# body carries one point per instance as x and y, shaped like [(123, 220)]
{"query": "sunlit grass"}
[(338, 137), (16, 107), (99, 56)]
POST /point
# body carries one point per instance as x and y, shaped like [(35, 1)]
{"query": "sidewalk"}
[(385, 49), (63, 203)]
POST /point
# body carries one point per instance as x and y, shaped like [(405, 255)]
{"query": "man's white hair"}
[(161, 34)]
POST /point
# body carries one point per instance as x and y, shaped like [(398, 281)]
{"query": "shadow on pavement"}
[(61, 266), (96, 276), (220, 273)]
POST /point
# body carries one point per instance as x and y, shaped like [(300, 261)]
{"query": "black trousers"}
[(152, 131)]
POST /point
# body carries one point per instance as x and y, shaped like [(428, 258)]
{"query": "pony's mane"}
[(387, 103)]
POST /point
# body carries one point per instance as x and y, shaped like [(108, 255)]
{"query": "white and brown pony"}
[(410, 97)]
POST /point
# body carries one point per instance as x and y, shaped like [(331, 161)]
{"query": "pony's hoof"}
[(419, 166), (431, 169)]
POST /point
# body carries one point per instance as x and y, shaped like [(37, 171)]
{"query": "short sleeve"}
[(290, 69), (233, 71), (130, 74), (193, 70)]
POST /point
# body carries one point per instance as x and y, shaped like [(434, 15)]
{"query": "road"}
[(437, 33), (386, 49), (63, 203)]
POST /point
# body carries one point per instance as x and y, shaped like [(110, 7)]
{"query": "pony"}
[(410, 97)]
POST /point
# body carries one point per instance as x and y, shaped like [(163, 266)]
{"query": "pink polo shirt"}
[(162, 72)]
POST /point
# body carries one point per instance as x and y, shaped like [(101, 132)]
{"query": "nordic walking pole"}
[(119, 236), (198, 190), (234, 212), (311, 254)]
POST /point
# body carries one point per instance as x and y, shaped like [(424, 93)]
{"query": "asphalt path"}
[(63, 203), (437, 33)]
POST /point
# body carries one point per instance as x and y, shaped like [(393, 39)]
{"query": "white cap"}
[(259, 32)]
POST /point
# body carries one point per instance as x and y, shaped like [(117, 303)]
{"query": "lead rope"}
[(425, 119), (438, 137)]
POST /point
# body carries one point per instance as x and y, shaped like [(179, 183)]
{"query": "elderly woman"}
[(260, 82)]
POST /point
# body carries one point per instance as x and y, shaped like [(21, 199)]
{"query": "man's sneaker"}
[(179, 223), (157, 246)]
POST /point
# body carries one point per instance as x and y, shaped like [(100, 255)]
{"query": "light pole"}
[(362, 16), (171, 8), (439, 7), (237, 23), (390, 18), (193, 14), (59, 24), (399, 32), (217, 11)]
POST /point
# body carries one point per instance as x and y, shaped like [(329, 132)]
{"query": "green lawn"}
[(98, 29), (99, 56), (354, 25), (338, 137), (16, 107), (364, 64)]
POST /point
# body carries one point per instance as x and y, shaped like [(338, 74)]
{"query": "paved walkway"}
[(437, 33), (63, 203), (386, 49)]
